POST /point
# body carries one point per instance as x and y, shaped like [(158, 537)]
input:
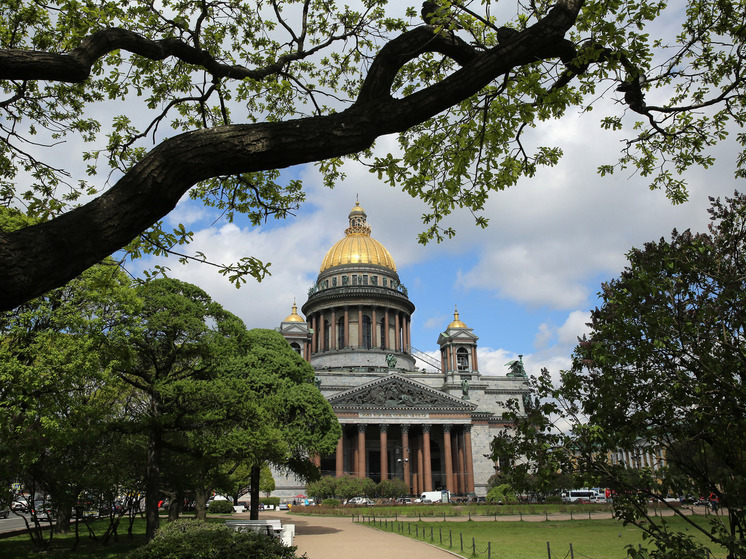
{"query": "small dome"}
[(294, 316), (456, 322), (358, 247)]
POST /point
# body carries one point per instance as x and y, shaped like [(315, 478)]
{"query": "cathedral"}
[(431, 426)]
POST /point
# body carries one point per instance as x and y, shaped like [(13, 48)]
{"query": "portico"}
[(394, 427)]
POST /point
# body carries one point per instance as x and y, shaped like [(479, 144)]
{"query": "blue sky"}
[(525, 284)]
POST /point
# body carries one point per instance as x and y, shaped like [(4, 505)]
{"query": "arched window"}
[(327, 334), (366, 331), (462, 359), (296, 347), (341, 333)]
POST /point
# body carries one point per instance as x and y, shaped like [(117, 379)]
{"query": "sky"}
[(525, 285)]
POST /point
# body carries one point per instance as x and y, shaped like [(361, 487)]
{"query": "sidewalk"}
[(325, 537)]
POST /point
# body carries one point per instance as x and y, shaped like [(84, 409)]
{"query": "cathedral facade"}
[(431, 426)]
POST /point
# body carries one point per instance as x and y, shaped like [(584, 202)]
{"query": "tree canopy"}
[(659, 381), (214, 98)]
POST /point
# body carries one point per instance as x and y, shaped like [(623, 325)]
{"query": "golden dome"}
[(456, 322), (358, 247), (294, 316)]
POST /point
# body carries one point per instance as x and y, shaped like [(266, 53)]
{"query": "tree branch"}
[(38, 258)]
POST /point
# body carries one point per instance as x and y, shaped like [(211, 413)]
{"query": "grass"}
[(596, 539), (20, 547)]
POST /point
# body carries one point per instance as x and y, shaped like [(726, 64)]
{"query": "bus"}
[(579, 496)]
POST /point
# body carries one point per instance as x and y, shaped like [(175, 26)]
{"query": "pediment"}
[(395, 392), (299, 328), (457, 335)]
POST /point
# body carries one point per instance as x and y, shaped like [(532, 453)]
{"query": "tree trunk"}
[(176, 506), (200, 503), (255, 474), (152, 484), (62, 524)]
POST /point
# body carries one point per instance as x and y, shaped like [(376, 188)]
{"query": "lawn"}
[(597, 539), (19, 547)]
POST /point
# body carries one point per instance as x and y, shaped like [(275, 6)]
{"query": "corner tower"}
[(358, 311)]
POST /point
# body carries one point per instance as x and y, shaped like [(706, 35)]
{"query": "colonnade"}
[(360, 327), (449, 358), (426, 456), (643, 457)]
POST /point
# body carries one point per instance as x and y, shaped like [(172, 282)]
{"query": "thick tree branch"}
[(38, 258), (75, 67)]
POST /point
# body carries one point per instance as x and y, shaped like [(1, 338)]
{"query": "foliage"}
[(660, 375), (503, 494), (55, 396), (220, 507), (270, 501), (165, 354), (392, 488), (331, 502), (235, 91), (189, 539), (266, 481), (322, 489)]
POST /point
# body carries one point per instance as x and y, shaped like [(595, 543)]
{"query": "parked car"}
[(284, 506), (19, 506), (360, 501), (4, 512)]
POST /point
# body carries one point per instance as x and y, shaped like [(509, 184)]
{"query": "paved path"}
[(325, 537)]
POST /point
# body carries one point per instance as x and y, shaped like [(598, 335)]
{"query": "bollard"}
[(450, 541), (440, 534), (489, 550), (473, 547), (572, 554), (549, 551), (461, 539)]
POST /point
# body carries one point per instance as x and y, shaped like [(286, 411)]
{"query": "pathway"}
[(328, 537)]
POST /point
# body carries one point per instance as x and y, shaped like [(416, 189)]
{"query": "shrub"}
[(270, 501), (502, 494), (220, 507), (192, 539), (331, 502)]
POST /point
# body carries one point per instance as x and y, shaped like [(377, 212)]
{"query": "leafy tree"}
[(322, 489), (349, 487), (662, 371), (293, 420), (214, 98), (392, 488), (503, 494), (55, 400), (165, 353), (266, 481)]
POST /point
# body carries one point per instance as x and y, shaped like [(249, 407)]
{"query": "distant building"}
[(431, 428)]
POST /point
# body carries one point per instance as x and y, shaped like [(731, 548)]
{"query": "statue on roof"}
[(391, 360), (516, 368)]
